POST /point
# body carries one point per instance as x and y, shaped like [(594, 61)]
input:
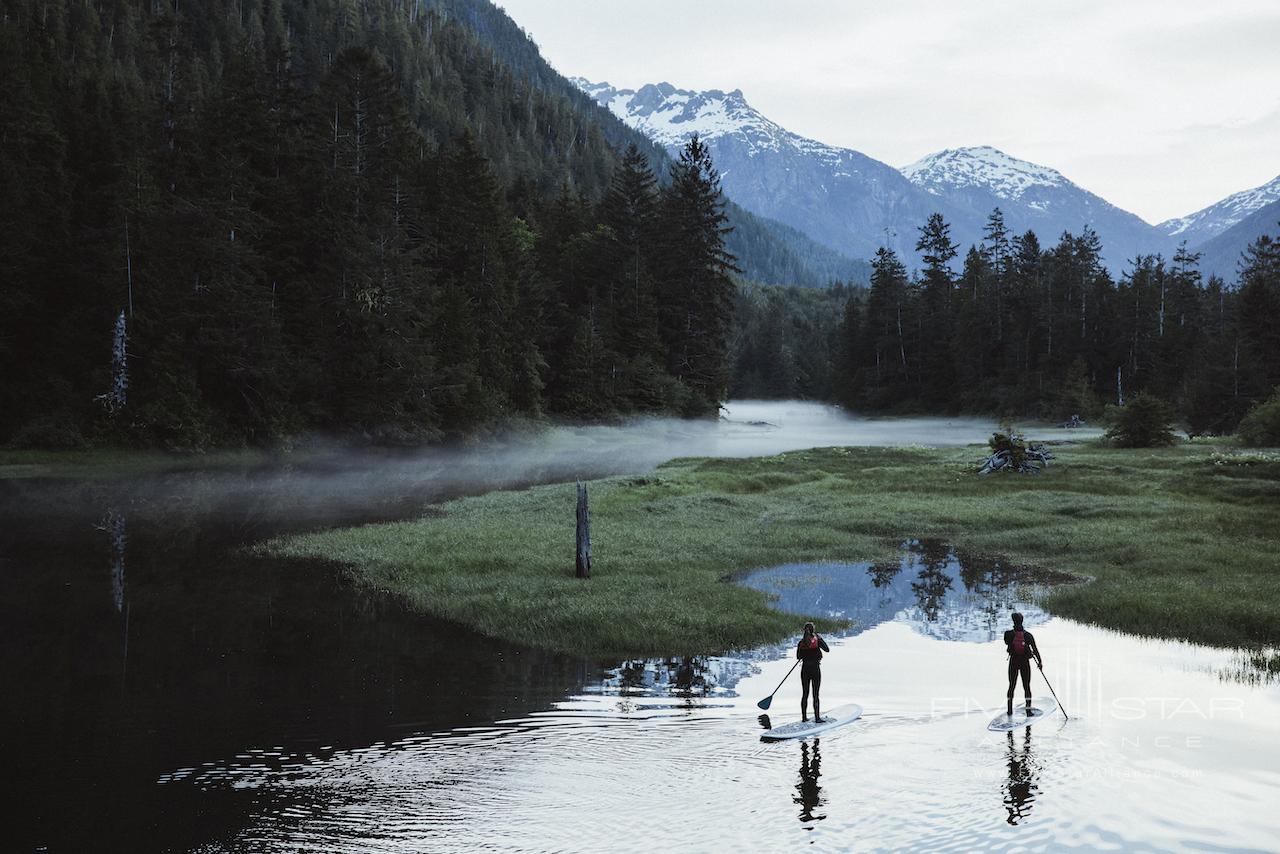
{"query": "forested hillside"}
[(233, 221), (766, 250)]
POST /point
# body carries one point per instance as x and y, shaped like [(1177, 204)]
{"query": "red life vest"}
[(1019, 645), (813, 642)]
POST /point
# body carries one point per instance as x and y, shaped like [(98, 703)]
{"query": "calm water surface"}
[(165, 691)]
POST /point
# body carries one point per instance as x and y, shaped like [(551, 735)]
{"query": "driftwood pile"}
[(1011, 452)]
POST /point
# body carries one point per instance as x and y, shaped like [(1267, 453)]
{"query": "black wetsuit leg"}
[(1019, 667), (810, 676)]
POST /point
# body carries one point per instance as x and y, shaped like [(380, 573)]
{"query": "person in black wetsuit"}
[(1021, 646), (810, 650)]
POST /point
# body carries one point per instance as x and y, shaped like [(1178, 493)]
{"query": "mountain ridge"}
[(1202, 226), (854, 203), (1221, 255), (840, 197)]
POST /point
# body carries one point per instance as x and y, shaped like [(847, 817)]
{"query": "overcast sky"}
[(1160, 106)]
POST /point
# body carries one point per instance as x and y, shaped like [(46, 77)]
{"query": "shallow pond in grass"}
[(164, 691)]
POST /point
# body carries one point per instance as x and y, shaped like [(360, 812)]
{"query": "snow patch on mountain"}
[(670, 116), (1214, 220), (984, 167)]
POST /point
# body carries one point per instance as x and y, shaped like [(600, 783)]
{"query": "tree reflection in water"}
[(808, 792), (113, 524), (1023, 784), (683, 676), (884, 572), (932, 582)]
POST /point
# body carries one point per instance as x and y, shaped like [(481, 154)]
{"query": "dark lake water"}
[(163, 690)]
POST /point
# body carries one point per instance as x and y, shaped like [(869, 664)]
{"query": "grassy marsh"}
[(1180, 542)]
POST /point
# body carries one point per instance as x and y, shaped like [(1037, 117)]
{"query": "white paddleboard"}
[(1039, 708), (839, 716)]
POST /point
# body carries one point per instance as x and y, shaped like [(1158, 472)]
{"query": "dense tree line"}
[(1024, 329), (301, 232), (784, 341)]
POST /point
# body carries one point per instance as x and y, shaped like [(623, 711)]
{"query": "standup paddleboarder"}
[(810, 650), (1021, 646)]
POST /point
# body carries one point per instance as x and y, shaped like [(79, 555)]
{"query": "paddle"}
[(1065, 716), (768, 701)]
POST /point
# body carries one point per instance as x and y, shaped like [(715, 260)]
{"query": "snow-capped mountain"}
[(839, 197), (669, 116), (1208, 223), (854, 203), (1032, 197), (986, 169)]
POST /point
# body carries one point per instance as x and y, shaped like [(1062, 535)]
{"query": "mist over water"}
[(325, 484)]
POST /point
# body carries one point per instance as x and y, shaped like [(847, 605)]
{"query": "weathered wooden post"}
[(583, 562)]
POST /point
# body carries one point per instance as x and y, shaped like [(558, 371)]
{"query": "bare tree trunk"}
[(128, 264), (902, 348), (335, 137), (1000, 283), (1049, 320), (1235, 371), (1161, 315), (359, 134), (1084, 306), (582, 563)]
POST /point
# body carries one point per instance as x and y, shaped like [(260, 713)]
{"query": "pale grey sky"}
[(1160, 106)]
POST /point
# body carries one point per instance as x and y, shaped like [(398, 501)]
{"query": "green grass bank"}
[(1180, 542)]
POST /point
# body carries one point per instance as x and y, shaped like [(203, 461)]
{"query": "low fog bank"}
[(328, 486)]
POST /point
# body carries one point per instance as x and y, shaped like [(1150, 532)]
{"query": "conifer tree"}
[(1259, 310), (889, 310), (694, 278), (934, 313)]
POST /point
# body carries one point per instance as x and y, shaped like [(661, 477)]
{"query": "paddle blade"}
[(766, 702)]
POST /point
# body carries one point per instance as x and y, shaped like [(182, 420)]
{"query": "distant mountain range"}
[(841, 198), (854, 204), (1204, 225)]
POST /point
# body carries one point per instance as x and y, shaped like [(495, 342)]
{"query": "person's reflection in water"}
[(1023, 786), (808, 792)]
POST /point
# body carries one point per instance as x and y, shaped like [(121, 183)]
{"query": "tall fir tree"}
[(696, 291), (934, 317)]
